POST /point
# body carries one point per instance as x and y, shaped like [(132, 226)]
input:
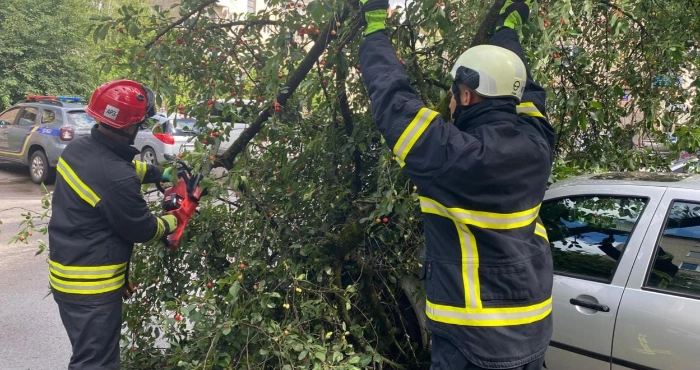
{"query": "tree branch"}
[(291, 85), (483, 33), (247, 23), (178, 22), (626, 14)]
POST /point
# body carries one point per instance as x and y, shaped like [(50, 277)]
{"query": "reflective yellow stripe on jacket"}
[(76, 184), (86, 279), (474, 314), (528, 108), (485, 220), (141, 169), (411, 134)]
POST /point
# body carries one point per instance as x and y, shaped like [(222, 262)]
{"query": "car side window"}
[(50, 116), (588, 234), (8, 117), (676, 263), (28, 116)]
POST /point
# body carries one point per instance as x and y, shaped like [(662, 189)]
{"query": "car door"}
[(594, 235), (18, 134), (657, 325), (7, 119)]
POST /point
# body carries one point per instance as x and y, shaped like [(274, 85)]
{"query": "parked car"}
[(236, 129), (626, 250), (162, 139), (246, 111), (35, 131)]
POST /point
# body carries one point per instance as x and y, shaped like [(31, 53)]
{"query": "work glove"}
[(374, 14), (170, 175), (513, 14), (170, 223)]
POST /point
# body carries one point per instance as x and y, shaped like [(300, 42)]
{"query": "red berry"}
[(259, 99), (118, 50), (324, 82), (180, 41), (210, 103), (205, 142), (233, 93), (120, 30), (242, 265), (209, 285), (177, 317), (385, 220), (180, 155)]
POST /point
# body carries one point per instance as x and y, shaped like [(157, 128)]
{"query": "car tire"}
[(39, 169), (148, 155)]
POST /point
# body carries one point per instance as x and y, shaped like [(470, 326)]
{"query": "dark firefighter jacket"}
[(98, 213), (488, 266)]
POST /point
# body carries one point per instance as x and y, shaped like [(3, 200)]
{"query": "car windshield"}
[(80, 118)]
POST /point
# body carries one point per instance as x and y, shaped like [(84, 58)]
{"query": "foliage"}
[(300, 254), (44, 48)]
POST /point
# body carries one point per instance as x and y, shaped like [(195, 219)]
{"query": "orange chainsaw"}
[(181, 200)]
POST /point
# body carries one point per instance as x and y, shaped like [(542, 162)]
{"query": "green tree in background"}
[(45, 49)]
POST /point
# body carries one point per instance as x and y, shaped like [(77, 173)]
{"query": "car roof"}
[(657, 179), (61, 105)]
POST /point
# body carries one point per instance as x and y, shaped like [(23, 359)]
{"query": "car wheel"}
[(39, 168), (148, 155)]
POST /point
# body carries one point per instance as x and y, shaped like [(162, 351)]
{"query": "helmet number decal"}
[(111, 112)]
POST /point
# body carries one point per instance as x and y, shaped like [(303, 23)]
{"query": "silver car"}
[(626, 251), (162, 139)]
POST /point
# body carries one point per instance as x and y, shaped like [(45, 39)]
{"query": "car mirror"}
[(4, 123)]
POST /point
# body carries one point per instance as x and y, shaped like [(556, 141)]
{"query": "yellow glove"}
[(170, 223)]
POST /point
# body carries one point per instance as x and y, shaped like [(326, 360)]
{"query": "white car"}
[(162, 140)]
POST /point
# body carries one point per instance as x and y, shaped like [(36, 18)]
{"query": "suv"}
[(36, 130)]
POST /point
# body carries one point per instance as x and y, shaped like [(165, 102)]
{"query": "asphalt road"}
[(31, 333)]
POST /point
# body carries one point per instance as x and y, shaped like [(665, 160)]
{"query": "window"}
[(50, 116), (588, 234), (9, 117), (675, 266), (80, 119), (28, 116)]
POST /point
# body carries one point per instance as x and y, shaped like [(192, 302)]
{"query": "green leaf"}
[(234, 291)]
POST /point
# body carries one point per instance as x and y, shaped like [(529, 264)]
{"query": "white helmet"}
[(491, 71)]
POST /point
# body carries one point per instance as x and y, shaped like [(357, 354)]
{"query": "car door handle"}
[(591, 305)]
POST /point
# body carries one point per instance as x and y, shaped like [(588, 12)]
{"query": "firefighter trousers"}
[(446, 356), (93, 330)]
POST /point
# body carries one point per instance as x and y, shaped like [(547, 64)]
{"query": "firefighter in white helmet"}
[(481, 180)]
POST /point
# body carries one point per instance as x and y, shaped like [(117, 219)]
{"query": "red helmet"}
[(121, 103)]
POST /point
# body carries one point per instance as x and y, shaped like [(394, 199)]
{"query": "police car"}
[(36, 130)]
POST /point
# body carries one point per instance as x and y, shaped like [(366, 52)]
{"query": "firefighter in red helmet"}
[(98, 213)]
